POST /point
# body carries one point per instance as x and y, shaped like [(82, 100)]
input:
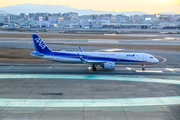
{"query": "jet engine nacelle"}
[(109, 66)]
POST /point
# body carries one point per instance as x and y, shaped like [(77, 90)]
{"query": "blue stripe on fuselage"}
[(93, 58)]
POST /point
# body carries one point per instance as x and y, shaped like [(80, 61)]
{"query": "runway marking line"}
[(151, 101), (149, 71), (162, 58), (11, 102), (90, 77)]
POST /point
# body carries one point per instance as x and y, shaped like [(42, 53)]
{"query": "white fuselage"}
[(117, 58)]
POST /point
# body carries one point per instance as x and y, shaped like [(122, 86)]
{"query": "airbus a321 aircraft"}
[(106, 60)]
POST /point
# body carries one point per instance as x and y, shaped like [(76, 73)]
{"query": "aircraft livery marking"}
[(41, 43), (130, 55)]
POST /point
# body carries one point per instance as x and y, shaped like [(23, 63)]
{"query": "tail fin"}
[(39, 45), (81, 49)]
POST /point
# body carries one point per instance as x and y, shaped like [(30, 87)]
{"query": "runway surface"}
[(55, 91), (17, 42), (86, 69)]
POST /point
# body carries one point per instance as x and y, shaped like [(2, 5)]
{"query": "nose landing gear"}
[(94, 68), (143, 67)]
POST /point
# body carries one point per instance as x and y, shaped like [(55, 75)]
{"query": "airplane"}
[(106, 60)]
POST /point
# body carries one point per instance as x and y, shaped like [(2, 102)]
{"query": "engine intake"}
[(109, 66)]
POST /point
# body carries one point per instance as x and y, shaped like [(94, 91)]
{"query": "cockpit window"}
[(151, 57)]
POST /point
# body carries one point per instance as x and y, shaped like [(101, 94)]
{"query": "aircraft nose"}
[(156, 60)]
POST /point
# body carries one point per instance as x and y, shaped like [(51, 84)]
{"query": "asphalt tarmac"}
[(56, 91), (17, 42)]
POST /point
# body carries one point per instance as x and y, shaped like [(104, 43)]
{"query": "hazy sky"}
[(149, 6)]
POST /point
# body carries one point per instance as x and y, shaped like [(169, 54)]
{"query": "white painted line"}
[(128, 68), (149, 71), (9, 67), (103, 41), (111, 50), (162, 58), (110, 34), (173, 69), (150, 101)]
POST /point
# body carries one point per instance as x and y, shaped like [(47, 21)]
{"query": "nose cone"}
[(156, 61)]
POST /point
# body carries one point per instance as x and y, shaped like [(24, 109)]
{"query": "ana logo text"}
[(130, 55), (41, 43)]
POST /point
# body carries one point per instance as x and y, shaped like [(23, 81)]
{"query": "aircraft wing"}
[(91, 62)]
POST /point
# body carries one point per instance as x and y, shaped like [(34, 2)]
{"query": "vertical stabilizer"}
[(39, 44)]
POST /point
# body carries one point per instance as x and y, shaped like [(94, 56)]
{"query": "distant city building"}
[(67, 18), (122, 18), (101, 16), (95, 16), (31, 16), (132, 25), (43, 24), (4, 19), (148, 17), (108, 15), (56, 14), (85, 24), (86, 17), (23, 16), (113, 19), (37, 15), (96, 23), (53, 20), (71, 15), (136, 19), (178, 19), (72, 20), (106, 22), (165, 18), (14, 18)]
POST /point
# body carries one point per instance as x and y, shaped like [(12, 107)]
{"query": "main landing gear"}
[(143, 67), (94, 68)]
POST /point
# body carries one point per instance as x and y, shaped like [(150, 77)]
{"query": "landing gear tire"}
[(143, 69), (94, 68)]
